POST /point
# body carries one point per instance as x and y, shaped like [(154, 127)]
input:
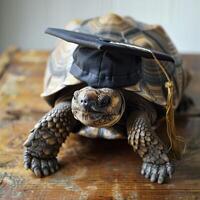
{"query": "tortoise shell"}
[(151, 86)]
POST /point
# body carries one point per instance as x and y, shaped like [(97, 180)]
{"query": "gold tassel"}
[(176, 142)]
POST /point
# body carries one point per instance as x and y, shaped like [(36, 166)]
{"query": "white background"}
[(22, 22)]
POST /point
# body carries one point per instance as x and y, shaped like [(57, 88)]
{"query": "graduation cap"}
[(104, 63)]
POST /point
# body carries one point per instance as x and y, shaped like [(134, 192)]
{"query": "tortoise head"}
[(98, 107)]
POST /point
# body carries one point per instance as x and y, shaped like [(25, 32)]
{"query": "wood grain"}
[(91, 169)]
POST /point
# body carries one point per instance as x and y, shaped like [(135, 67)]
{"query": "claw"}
[(51, 166), (148, 171), (162, 174), (160, 179), (144, 165), (170, 169), (37, 172), (26, 165), (35, 163), (27, 160), (52, 170), (56, 166), (45, 167), (154, 175), (153, 178), (45, 171)]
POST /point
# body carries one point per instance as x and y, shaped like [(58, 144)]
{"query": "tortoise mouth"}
[(94, 118), (91, 111), (94, 115)]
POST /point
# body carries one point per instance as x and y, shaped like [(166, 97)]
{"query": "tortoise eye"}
[(104, 101)]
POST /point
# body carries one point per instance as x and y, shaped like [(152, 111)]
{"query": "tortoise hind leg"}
[(156, 165), (44, 141)]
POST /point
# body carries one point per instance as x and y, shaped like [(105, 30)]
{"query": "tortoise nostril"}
[(85, 102)]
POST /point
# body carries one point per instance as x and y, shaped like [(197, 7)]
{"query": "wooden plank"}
[(91, 169)]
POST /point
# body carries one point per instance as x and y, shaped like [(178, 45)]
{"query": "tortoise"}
[(102, 82)]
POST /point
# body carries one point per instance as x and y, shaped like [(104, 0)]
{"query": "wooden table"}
[(91, 169)]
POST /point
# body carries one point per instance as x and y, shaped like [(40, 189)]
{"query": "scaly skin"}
[(156, 165), (44, 141)]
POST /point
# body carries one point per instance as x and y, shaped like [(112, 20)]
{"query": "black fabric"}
[(103, 63), (94, 41), (100, 68)]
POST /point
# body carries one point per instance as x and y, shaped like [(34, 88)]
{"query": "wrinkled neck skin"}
[(98, 107)]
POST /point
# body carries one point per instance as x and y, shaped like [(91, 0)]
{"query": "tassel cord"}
[(171, 129)]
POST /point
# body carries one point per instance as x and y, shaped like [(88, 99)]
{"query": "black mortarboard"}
[(103, 63)]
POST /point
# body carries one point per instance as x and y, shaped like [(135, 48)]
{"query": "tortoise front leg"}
[(44, 141), (156, 165)]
